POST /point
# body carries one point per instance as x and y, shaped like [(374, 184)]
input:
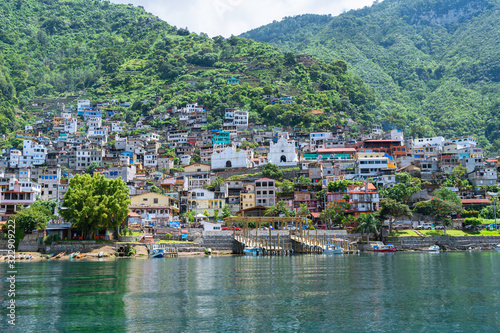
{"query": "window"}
[(155, 200), (144, 199)]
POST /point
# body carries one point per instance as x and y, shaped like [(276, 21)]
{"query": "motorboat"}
[(433, 248), (497, 247), (73, 255), (252, 251), (333, 249), (385, 248), (100, 255), (157, 253)]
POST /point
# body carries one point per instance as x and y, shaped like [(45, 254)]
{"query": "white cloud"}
[(232, 17)]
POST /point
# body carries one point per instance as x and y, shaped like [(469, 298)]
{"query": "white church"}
[(229, 157), (283, 152)]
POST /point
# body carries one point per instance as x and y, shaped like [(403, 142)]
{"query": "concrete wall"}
[(448, 243), (81, 246)]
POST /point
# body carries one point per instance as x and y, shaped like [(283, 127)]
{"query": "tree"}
[(226, 212), (334, 213), (91, 168), (286, 188), (279, 209), (93, 203), (189, 216), (155, 189), (442, 209), (303, 210), (205, 212), (216, 215), (36, 216), (304, 180), (404, 189), (448, 195), (393, 209), (272, 171), (459, 171), (367, 223)]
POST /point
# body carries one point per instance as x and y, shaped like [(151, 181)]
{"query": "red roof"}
[(476, 201), (336, 150), (265, 179), (315, 215), (132, 214)]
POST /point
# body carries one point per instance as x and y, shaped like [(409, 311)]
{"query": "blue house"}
[(92, 114), (233, 80)]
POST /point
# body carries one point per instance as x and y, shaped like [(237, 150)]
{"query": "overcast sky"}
[(233, 17)]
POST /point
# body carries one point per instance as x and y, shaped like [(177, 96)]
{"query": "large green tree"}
[(367, 224), (392, 209), (334, 214), (94, 203), (279, 209), (402, 191)]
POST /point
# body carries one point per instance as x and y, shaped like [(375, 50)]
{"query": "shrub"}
[(470, 213), (473, 221), (168, 236)]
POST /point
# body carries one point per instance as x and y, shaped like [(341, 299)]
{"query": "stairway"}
[(148, 239)]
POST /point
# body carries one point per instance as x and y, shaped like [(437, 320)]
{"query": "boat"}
[(73, 255), (433, 248), (333, 249), (100, 255), (251, 251), (497, 247), (59, 255), (79, 255), (385, 248), (157, 253)]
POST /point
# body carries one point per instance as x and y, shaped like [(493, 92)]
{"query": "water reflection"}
[(443, 292)]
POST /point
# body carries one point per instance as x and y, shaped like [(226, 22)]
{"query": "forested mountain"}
[(435, 64), (62, 48)]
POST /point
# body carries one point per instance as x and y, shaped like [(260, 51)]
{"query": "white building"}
[(370, 164), (94, 123), (283, 153), (83, 104), (117, 127), (70, 125), (236, 118), (230, 158), (436, 141), (28, 128), (33, 154), (150, 160)]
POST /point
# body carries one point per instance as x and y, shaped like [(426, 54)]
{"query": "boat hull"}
[(385, 250)]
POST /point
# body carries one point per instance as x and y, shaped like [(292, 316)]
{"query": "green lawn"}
[(459, 233), (404, 233)]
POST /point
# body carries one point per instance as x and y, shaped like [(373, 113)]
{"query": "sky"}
[(233, 17)]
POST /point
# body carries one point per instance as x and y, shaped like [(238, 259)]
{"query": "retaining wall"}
[(445, 242)]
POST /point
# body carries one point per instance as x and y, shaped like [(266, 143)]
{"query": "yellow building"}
[(201, 200), (247, 196), (154, 208), (196, 167)]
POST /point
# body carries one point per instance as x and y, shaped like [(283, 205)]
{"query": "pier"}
[(285, 238)]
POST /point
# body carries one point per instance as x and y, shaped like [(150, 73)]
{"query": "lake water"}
[(400, 292)]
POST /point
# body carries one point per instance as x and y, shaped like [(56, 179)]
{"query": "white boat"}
[(252, 251), (157, 253), (384, 248), (433, 248), (333, 249), (497, 248)]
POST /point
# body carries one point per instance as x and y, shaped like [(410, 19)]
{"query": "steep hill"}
[(64, 48), (435, 64)]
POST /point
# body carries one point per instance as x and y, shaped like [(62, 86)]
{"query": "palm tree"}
[(367, 223)]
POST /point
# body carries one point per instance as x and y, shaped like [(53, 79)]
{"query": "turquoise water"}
[(401, 292)]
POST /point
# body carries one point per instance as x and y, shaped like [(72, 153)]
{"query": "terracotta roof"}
[(335, 150), (315, 215), (476, 201), (266, 179)]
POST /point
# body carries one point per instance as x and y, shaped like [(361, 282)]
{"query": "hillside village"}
[(180, 167)]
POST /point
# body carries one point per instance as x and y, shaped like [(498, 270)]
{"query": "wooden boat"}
[(385, 248), (252, 251), (79, 255), (333, 249), (433, 248), (60, 254), (157, 253), (73, 255)]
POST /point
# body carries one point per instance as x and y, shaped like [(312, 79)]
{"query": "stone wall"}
[(81, 246), (445, 242)]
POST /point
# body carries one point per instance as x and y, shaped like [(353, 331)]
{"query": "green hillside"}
[(62, 49), (435, 64)]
